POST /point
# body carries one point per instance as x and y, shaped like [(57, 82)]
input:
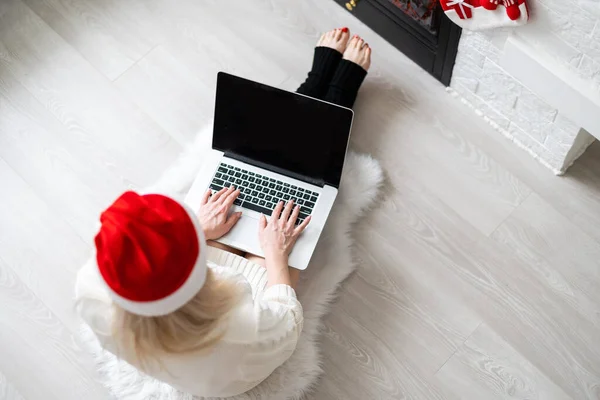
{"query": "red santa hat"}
[(150, 253)]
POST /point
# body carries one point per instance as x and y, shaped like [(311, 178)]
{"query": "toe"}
[(344, 38), (338, 34), (321, 39)]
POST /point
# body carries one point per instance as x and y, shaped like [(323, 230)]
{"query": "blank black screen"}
[(295, 133)]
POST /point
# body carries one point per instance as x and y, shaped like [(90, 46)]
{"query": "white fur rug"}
[(330, 265)]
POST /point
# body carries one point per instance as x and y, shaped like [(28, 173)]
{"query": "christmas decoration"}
[(478, 15)]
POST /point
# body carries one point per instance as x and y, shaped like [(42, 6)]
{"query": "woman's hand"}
[(279, 234), (214, 211)]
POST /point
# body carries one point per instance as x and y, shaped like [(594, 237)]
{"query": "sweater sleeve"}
[(279, 314), (276, 321)]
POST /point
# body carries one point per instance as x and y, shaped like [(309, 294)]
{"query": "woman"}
[(203, 317)]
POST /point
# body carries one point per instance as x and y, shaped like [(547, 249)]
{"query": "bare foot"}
[(336, 39), (358, 52)]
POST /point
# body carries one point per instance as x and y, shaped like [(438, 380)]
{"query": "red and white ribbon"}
[(466, 12)]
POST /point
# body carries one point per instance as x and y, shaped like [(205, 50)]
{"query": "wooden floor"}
[(479, 270)]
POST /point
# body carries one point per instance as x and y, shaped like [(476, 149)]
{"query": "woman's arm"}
[(278, 271), (277, 324), (280, 316), (277, 312), (277, 238)]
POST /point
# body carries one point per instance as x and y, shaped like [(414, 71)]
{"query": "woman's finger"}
[(277, 211), (230, 197), (232, 220), (220, 193), (285, 215), (225, 197), (262, 222), (292, 221), (222, 208), (205, 197), (300, 228)]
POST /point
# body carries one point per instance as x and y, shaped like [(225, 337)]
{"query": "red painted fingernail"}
[(344, 29)]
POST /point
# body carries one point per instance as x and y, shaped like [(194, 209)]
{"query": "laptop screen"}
[(294, 133)]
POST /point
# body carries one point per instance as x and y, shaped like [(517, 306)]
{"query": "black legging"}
[(332, 78)]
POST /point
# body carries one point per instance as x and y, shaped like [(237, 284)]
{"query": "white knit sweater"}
[(261, 333)]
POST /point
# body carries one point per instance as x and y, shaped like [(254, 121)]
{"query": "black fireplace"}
[(418, 28)]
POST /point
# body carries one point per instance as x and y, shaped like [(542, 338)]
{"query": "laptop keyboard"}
[(260, 193)]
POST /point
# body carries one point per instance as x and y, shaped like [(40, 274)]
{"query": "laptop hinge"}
[(282, 171)]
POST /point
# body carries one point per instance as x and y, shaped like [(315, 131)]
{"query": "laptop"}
[(274, 145)]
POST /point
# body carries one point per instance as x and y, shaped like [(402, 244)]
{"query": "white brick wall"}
[(568, 31)]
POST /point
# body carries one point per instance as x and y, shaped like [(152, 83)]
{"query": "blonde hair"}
[(194, 327)]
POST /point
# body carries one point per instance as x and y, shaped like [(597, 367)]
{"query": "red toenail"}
[(344, 29)]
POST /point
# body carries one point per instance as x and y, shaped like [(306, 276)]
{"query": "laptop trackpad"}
[(244, 235)]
